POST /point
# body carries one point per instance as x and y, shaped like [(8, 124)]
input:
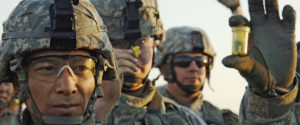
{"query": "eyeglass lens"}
[(49, 68)]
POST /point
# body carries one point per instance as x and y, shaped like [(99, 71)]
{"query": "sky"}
[(226, 86)]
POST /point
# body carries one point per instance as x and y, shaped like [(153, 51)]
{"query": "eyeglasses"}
[(185, 61), (49, 68)]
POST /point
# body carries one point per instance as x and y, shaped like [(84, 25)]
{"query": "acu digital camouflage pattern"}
[(24, 31), (181, 39), (150, 108), (204, 109), (281, 110), (111, 13)]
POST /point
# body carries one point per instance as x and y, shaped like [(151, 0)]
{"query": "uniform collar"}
[(141, 100)]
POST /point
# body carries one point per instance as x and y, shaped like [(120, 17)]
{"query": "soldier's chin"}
[(191, 89)]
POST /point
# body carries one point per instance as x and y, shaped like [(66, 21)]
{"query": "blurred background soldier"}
[(9, 101), (60, 52), (190, 79), (185, 63), (133, 28), (271, 97)]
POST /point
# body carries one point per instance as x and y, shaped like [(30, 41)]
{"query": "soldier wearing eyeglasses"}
[(185, 63), (60, 52)]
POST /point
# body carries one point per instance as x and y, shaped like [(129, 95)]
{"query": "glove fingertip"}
[(238, 20), (237, 62), (229, 61), (289, 14)]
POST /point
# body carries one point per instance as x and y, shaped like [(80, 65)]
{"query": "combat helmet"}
[(37, 25), (130, 20), (184, 39)]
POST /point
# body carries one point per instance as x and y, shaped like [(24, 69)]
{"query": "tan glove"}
[(270, 65)]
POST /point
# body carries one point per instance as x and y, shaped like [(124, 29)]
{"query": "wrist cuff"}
[(271, 108)]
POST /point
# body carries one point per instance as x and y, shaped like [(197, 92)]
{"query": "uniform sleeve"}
[(229, 117), (269, 111)]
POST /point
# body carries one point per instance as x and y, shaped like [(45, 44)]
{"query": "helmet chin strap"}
[(66, 120), (86, 118), (188, 89), (51, 119), (133, 79)]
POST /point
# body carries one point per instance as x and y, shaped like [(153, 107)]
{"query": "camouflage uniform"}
[(281, 110), (149, 108), (204, 109), (29, 29), (190, 39)]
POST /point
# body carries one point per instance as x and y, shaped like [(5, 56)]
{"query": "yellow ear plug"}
[(16, 102), (136, 51)]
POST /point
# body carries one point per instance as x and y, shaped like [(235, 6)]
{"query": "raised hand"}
[(270, 65)]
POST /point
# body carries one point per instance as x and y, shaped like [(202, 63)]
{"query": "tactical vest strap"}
[(155, 104)]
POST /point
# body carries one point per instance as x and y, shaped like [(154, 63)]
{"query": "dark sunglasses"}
[(185, 61)]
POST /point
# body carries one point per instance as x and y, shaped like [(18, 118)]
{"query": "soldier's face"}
[(6, 92), (144, 59), (190, 73), (61, 86)]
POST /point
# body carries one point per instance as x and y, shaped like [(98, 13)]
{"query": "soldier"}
[(136, 25), (9, 103), (60, 52), (271, 97), (185, 63)]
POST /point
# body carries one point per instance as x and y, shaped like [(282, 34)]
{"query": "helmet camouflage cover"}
[(24, 31), (112, 13), (31, 28)]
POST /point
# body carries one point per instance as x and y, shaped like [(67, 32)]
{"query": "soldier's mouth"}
[(66, 109), (192, 79)]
